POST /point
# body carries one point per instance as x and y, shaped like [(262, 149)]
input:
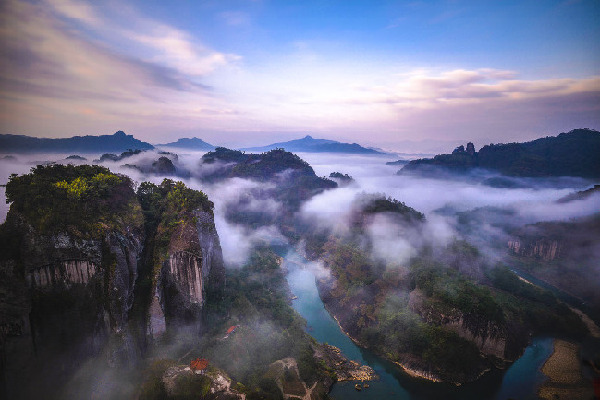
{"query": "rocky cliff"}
[(184, 257), (563, 254), (73, 293), (488, 336), (69, 287), (545, 249)]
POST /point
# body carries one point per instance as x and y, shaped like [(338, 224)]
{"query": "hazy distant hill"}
[(310, 145), (190, 143), (575, 153), (118, 142)]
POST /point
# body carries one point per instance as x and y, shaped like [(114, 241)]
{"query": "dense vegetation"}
[(224, 155), (380, 204), (342, 178), (293, 181), (81, 199), (575, 257), (256, 300), (537, 309), (371, 300), (113, 157), (168, 213), (266, 165), (576, 153)]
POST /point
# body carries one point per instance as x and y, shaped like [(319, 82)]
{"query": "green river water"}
[(519, 381)]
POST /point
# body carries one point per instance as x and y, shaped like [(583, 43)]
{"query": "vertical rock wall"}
[(545, 249), (186, 275)]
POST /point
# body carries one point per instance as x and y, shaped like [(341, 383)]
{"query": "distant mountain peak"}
[(190, 143), (309, 144), (120, 133)]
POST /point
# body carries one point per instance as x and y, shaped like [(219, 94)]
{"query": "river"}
[(519, 381)]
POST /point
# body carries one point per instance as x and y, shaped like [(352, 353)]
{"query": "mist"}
[(439, 199), (446, 203), (455, 207)]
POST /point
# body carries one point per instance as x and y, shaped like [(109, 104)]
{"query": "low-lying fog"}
[(438, 199)]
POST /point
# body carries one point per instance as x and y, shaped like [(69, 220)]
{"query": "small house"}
[(199, 365)]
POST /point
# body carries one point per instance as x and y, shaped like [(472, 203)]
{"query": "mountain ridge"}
[(573, 153), (117, 142), (308, 144)]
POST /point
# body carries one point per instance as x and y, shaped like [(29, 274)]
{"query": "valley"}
[(125, 272)]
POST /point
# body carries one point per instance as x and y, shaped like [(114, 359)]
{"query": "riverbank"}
[(410, 364), (520, 380), (563, 369)]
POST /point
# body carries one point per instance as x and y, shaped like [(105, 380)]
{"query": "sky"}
[(251, 72)]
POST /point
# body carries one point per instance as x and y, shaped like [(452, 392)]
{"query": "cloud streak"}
[(83, 67), (54, 68)]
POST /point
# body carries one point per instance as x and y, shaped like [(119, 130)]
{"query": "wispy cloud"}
[(53, 60), (161, 43), (69, 67), (335, 96)]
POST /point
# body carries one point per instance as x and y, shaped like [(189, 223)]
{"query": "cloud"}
[(65, 61), (364, 100), (238, 240), (86, 67), (491, 211), (428, 89), (168, 45)]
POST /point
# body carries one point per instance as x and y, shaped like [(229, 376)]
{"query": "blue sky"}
[(253, 72)]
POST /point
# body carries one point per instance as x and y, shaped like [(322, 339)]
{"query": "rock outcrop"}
[(75, 293), (545, 249), (573, 153), (71, 263), (66, 272), (490, 338), (194, 258), (345, 369)]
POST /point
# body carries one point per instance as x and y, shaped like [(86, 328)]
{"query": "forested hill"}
[(574, 153), (255, 166)]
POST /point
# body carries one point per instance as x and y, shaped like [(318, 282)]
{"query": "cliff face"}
[(69, 295), (124, 251), (208, 239), (194, 262), (182, 287), (545, 249), (65, 272), (563, 254), (489, 337), (73, 266)]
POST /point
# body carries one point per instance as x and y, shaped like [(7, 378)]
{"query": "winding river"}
[(519, 381)]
